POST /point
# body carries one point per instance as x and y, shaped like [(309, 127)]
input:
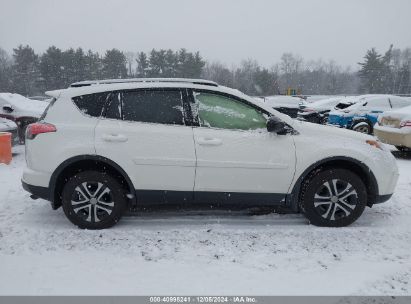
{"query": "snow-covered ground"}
[(41, 253)]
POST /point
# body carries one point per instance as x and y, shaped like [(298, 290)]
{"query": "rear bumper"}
[(393, 136), (382, 198), (40, 192), (37, 191)]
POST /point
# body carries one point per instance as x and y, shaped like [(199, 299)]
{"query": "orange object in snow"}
[(5, 147)]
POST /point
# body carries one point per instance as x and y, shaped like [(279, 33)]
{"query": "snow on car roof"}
[(124, 84), (23, 104), (327, 101), (283, 101), (400, 114)]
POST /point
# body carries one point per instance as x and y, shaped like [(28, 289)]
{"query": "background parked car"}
[(315, 98), (394, 128), (11, 127), (362, 116), (317, 111), (21, 110), (285, 104)]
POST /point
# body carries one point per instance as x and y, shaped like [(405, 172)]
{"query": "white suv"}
[(102, 148)]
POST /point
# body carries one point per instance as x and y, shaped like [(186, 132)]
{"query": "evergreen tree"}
[(25, 71), (142, 64), (114, 64), (371, 72), (181, 67), (5, 70), (93, 66), (157, 63), (198, 65), (51, 69), (170, 64), (264, 82), (79, 65)]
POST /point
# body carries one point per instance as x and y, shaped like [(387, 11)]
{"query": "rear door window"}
[(163, 106), (114, 106)]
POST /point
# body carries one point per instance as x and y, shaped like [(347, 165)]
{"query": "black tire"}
[(323, 208), (93, 200), (362, 128)]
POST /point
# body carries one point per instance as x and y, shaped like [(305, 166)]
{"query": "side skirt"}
[(189, 199)]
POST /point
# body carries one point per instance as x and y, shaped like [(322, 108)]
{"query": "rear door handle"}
[(209, 141), (114, 137)]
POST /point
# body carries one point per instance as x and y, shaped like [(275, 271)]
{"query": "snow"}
[(219, 253), (22, 105), (399, 114), (7, 125), (283, 101), (324, 104), (392, 129), (316, 98)]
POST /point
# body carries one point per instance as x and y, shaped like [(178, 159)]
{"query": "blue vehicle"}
[(363, 115)]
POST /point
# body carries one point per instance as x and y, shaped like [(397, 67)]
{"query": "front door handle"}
[(114, 137), (209, 141)]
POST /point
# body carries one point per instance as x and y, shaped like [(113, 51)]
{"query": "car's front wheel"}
[(363, 127), (333, 198), (93, 200)]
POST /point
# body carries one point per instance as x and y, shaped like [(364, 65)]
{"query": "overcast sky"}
[(223, 30)]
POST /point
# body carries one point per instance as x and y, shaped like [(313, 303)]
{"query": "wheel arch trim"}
[(87, 157), (292, 200)]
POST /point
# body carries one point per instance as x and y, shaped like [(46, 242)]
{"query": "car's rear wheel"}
[(333, 198), (363, 127), (93, 200)]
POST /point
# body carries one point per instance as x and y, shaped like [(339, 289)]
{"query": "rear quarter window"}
[(91, 104)]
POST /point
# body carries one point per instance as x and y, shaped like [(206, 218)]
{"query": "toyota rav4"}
[(104, 147)]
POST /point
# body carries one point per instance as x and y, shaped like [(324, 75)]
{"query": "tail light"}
[(308, 110), (405, 123), (38, 128)]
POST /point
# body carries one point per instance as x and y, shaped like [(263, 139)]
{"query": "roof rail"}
[(131, 80)]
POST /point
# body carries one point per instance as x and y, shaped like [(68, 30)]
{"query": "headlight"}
[(374, 143)]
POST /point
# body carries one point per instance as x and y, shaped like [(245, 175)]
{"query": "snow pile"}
[(400, 114), (284, 101), (22, 104), (6, 125)]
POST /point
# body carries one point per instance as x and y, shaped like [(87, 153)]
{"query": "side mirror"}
[(277, 126), (8, 108)]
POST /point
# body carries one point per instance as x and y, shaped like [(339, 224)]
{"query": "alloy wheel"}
[(92, 201), (335, 199)]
